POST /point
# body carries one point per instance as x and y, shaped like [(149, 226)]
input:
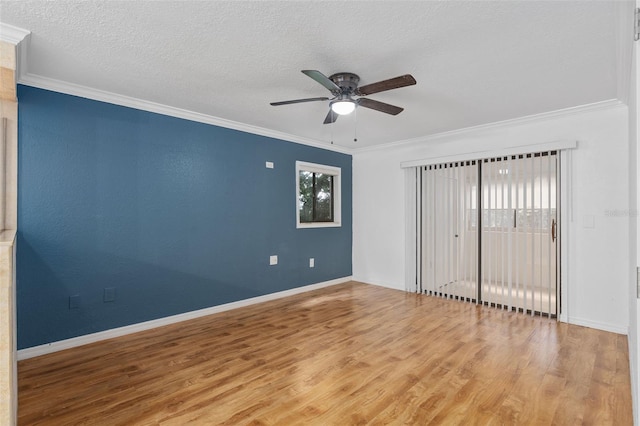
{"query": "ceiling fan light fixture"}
[(344, 85), (343, 107)]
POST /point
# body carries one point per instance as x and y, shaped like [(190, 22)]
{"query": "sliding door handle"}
[(553, 230)]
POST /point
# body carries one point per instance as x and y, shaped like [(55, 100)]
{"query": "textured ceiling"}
[(475, 62)]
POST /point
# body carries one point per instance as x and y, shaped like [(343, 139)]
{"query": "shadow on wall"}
[(141, 292), (168, 215)]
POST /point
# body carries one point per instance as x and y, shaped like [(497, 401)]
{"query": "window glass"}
[(318, 195)]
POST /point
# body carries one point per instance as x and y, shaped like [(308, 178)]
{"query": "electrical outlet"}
[(312, 262), (109, 294), (74, 301), (273, 260)]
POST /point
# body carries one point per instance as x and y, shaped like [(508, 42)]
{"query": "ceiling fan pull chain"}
[(332, 124), (355, 127), (344, 86)]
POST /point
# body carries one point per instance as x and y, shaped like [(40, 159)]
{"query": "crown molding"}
[(12, 34), (596, 106), (140, 104)]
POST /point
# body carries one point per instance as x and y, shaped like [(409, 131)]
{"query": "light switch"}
[(312, 262), (269, 164), (273, 260)]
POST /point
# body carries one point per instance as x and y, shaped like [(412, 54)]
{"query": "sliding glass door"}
[(449, 243), (495, 245)]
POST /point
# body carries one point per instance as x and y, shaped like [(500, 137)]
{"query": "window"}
[(317, 195)]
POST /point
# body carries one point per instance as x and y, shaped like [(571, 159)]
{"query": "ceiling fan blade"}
[(381, 86), (297, 101), (331, 117), (380, 106), (324, 80)]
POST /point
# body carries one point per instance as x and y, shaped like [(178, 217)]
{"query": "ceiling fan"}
[(344, 85)]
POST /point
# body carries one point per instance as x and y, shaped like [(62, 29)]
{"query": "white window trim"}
[(337, 194)]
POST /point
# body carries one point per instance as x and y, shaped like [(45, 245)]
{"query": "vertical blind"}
[(488, 231)]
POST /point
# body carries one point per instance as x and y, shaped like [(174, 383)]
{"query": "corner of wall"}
[(8, 221)]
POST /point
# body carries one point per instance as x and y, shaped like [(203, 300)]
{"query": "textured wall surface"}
[(169, 215)]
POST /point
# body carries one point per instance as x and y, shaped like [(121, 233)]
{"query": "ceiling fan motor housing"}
[(344, 85), (346, 81)]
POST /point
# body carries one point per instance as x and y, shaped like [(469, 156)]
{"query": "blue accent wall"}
[(170, 215)]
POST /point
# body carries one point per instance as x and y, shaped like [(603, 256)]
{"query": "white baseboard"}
[(563, 317), (598, 325), (377, 283), (147, 325)]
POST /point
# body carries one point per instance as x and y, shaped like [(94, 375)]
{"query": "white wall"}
[(634, 247), (598, 264)]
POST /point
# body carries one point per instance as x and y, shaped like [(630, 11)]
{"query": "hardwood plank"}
[(347, 354)]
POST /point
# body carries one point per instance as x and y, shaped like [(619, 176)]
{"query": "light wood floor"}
[(347, 354)]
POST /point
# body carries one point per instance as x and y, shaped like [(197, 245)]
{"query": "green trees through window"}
[(315, 197), (318, 189)]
